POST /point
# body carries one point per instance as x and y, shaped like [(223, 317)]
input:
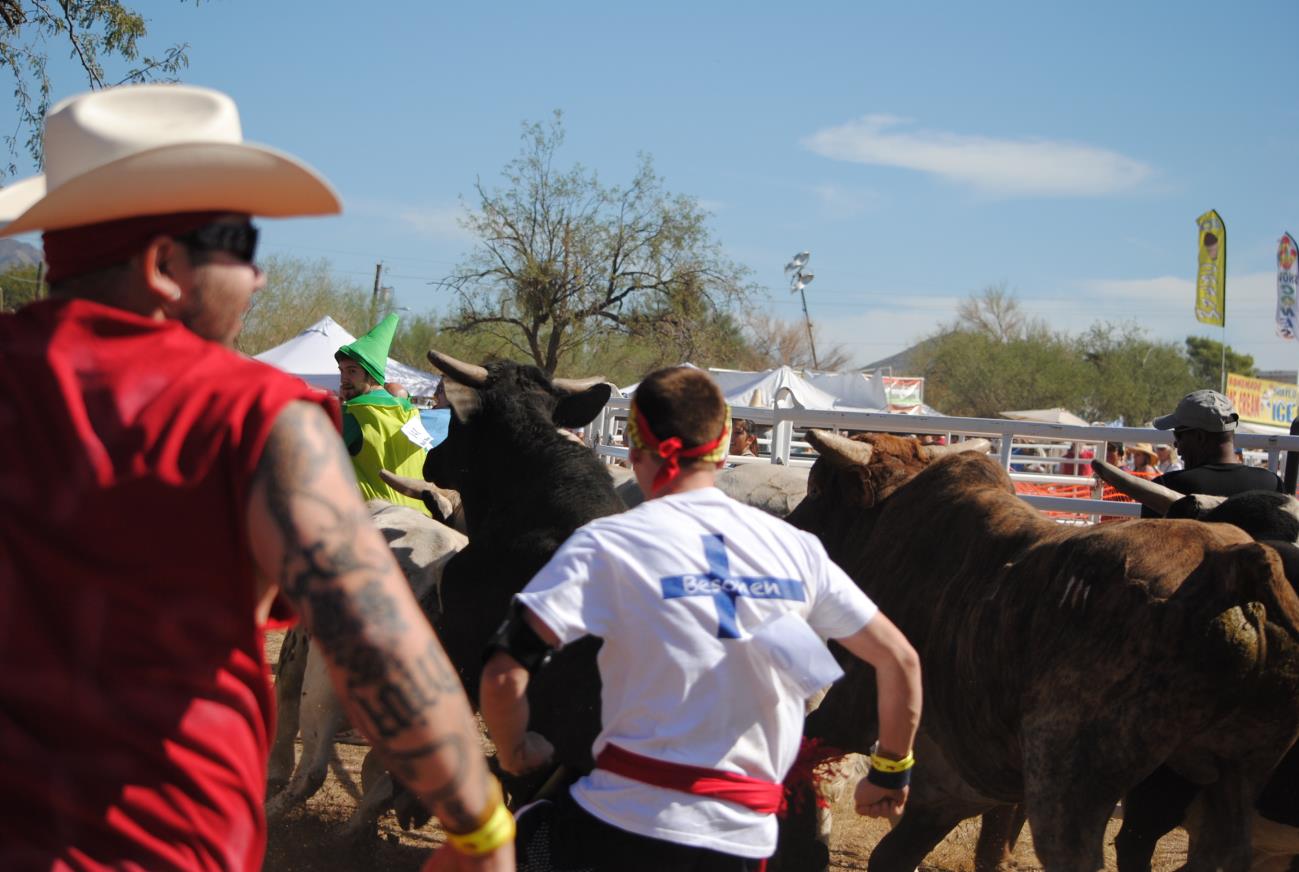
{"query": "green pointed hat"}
[(371, 350)]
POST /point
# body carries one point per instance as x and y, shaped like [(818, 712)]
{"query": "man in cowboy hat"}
[(159, 490), (1204, 428), (381, 431), (699, 600)]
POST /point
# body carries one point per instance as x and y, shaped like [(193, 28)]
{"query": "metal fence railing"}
[(1057, 494)]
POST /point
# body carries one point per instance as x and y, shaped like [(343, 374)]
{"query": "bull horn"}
[(933, 452), (846, 449), (576, 385), (466, 373), (1153, 496)]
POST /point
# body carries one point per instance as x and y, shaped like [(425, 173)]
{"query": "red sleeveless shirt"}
[(135, 709)]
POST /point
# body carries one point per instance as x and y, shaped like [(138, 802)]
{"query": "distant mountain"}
[(14, 253), (903, 363)]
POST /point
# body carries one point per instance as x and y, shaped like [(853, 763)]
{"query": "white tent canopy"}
[(310, 356), (1046, 416), (784, 388), (779, 388)]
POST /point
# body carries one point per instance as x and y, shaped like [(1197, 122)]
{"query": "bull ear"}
[(580, 408), (465, 373), (465, 401), (839, 449)]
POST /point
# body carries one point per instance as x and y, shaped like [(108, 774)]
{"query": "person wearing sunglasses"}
[(159, 491), (1204, 427)]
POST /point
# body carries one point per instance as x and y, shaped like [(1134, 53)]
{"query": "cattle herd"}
[(1066, 669)]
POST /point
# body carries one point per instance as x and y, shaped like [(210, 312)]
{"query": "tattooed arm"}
[(312, 537)]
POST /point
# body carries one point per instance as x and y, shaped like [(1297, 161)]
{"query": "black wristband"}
[(889, 780)]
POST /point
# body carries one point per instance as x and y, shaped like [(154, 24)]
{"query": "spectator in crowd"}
[(161, 489), (1204, 427), (1142, 459), (743, 442), (1114, 453), (1166, 461), (1079, 451)]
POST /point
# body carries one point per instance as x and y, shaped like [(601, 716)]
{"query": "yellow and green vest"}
[(372, 431)]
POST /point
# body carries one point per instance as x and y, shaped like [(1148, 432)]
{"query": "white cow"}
[(305, 695)]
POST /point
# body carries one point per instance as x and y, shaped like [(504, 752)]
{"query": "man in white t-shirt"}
[(703, 696)]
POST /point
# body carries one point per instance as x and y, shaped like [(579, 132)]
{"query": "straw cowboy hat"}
[(151, 150), (1144, 448)]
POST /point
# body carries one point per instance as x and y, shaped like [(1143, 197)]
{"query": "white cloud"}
[(435, 222), (1028, 167), (840, 202), (1248, 293)]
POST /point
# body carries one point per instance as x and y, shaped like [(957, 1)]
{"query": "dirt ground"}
[(307, 840)]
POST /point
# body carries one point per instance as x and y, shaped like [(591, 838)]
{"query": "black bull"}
[(524, 488), (1062, 665)]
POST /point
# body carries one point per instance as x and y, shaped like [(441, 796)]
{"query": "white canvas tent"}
[(784, 388), (1046, 416), (779, 388), (855, 389), (310, 356)]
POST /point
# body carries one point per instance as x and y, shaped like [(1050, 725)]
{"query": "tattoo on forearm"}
[(403, 697)]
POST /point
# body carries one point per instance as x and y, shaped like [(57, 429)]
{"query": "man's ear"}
[(160, 264)]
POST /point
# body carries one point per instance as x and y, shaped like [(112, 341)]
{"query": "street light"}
[(797, 281)]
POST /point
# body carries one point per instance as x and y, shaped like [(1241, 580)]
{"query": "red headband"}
[(670, 449), (75, 251)]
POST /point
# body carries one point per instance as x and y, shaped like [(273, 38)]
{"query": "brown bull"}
[(1062, 665)]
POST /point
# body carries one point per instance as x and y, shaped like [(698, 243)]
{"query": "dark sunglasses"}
[(238, 240)]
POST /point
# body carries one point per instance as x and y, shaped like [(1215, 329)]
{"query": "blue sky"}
[(1061, 149)]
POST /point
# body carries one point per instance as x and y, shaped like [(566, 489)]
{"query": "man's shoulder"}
[(1219, 479)]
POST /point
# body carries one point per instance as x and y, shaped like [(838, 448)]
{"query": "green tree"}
[(1206, 362), (19, 286), (419, 332), (993, 358), (564, 262), (99, 34), (1129, 375), (299, 293)]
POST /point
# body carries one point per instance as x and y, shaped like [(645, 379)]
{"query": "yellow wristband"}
[(498, 830), (884, 764)]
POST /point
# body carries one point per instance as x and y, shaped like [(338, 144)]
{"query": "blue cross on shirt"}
[(718, 583)]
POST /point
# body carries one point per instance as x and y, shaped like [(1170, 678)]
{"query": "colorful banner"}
[(1260, 401), (904, 391), (1211, 276), (1287, 279)]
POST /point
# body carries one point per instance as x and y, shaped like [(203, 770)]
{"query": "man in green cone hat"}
[(381, 431)]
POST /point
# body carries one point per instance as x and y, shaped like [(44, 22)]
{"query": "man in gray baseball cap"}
[(1204, 410), (1203, 425)]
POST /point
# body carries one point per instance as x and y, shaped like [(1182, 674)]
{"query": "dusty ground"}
[(306, 841)]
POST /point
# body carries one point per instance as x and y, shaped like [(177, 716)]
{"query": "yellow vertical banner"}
[(1211, 274)]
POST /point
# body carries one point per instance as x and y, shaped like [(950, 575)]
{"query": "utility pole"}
[(374, 296)]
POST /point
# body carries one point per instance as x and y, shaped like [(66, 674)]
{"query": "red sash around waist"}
[(755, 794)]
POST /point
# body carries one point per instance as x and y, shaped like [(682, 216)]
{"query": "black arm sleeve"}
[(515, 637)]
